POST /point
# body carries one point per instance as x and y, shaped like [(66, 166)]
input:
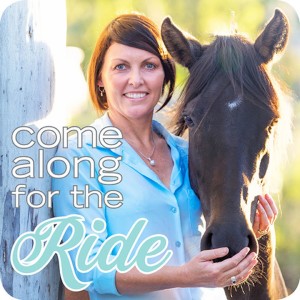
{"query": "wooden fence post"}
[(32, 33)]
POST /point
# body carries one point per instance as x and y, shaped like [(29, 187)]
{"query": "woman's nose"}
[(135, 78)]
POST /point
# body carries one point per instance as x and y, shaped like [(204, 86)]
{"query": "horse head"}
[(231, 108)]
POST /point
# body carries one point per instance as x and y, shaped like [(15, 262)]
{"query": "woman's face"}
[(133, 81)]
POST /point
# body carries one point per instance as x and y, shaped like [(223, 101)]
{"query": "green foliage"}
[(287, 227)]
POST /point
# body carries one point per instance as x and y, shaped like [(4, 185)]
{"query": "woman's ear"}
[(99, 82)]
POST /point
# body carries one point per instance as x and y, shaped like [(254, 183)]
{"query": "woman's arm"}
[(63, 205), (201, 271)]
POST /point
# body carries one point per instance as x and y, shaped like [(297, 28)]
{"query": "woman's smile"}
[(135, 95)]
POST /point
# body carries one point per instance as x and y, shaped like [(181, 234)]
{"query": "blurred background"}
[(86, 19)]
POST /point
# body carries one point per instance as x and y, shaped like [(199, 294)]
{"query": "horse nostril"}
[(235, 239), (252, 243), (209, 241), (206, 241)]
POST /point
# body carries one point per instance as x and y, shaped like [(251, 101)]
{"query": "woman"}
[(129, 72)]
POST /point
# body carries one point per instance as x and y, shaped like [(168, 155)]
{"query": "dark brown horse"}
[(232, 109)]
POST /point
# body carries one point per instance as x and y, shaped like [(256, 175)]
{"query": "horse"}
[(232, 109)]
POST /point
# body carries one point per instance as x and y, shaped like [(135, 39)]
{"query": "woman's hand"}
[(202, 271), (265, 216)]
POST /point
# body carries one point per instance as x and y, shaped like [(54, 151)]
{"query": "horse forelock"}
[(235, 57)]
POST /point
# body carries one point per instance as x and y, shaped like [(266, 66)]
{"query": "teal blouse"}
[(174, 212)]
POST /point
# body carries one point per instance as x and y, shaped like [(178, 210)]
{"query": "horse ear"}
[(184, 48), (273, 38)]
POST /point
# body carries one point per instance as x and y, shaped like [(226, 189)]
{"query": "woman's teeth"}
[(135, 95)]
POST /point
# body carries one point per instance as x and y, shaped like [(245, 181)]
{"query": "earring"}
[(101, 90)]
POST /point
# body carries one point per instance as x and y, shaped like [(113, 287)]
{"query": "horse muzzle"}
[(231, 235)]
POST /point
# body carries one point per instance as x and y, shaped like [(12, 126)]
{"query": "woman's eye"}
[(188, 121), (150, 66), (120, 67)]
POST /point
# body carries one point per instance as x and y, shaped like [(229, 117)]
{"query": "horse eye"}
[(188, 121)]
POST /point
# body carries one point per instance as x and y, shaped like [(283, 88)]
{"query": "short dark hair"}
[(134, 30)]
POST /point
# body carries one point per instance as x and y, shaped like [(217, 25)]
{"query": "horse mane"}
[(236, 58)]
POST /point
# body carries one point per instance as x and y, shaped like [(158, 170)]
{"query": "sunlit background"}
[(86, 18)]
